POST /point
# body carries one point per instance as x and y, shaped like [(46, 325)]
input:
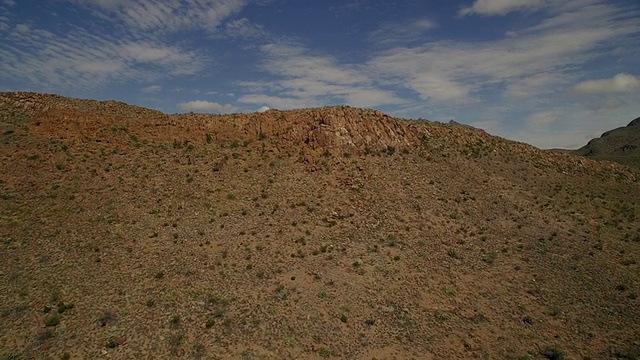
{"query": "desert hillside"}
[(331, 232)]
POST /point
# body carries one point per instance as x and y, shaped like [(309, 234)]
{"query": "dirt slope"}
[(315, 233)]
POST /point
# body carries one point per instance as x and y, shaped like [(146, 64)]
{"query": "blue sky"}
[(551, 73)]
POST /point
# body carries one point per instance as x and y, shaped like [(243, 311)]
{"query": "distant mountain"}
[(621, 141), (621, 145)]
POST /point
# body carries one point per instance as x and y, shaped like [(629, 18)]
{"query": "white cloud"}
[(79, 59), (305, 80), (206, 106), (525, 74), (502, 7), (618, 84), (292, 62), (541, 57), (263, 109), (178, 61), (151, 89)]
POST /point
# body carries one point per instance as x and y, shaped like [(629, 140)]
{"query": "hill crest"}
[(334, 128), (313, 133)]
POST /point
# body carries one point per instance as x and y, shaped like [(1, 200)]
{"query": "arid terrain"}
[(333, 232)]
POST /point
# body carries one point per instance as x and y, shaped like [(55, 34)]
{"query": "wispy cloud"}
[(541, 55), (295, 62), (206, 106), (519, 84), (608, 95), (151, 89), (531, 85), (80, 58), (502, 7), (168, 16), (401, 32), (303, 78), (106, 4), (244, 28)]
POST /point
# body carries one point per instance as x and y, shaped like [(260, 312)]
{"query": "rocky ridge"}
[(334, 130)]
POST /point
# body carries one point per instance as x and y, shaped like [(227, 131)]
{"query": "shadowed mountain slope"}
[(621, 145), (329, 232), (621, 141)]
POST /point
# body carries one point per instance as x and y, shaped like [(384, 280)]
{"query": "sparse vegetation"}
[(394, 235), (52, 320), (111, 342), (324, 352), (450, 292), (175, 321), (552, 353)]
